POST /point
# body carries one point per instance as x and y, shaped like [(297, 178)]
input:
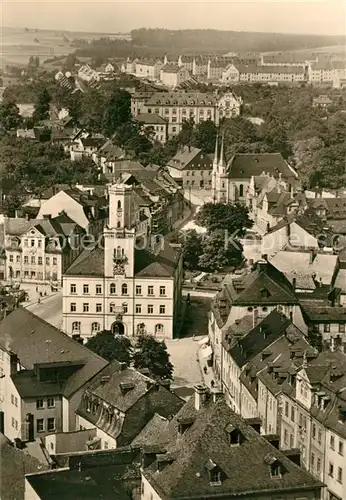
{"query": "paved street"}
[(184, 357), (49, 309)]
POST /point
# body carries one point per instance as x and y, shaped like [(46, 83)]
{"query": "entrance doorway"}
[(118, 328)]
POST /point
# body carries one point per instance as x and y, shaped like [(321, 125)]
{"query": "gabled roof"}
[(28, 335), (90, 262), (206, 445), (245, 165), (325, 314), (182, 99), (257, 339), (150, 119), (191, 158), (264, 285), (171, 68)]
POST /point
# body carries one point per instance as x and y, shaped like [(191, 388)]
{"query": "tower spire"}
[(216, 159), (221, 160)]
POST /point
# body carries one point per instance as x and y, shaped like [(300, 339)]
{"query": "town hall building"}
[(129, 282)]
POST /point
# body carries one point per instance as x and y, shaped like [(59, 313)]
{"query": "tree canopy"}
[(230, 217), (110, 346), (152, 354)]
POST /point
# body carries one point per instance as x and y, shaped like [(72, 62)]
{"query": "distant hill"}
[(223, 41)]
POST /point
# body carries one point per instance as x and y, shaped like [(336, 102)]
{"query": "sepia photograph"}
[(173, 250)]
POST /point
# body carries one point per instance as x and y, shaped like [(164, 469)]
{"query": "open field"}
[(17, 45)]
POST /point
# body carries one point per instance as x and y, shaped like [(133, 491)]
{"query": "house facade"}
[(128, 283), (172, 76), (191, 168)]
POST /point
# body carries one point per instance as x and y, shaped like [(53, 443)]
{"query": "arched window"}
[(113, 289), (159, 329), (118, 224), (95, 327), (119, 253), (241, 190), (124, 289), (76, 326), (119, 205), (112, 307)]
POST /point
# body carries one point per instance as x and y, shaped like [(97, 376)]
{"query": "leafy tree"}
[(110, 346), (219, 251), (9, 115), (186, 133), (118, 112), (42, 106), (192, 247), (204, 136), (152, 354), (231, 217), (93, 110)]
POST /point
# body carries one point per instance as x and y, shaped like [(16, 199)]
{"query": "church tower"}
[(214, 170), (119, 234), (221, 181)]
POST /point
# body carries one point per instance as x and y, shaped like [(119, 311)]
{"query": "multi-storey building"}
[(177, 107), (127, 282), (40, 250), (43, 372), (264, 74), (156, 124), (173, 75), (191, 168), (256, 294)]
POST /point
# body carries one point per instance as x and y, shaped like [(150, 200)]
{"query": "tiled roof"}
[(257, 339), (309, 221), (88, 263), (149, 433), (205, 445), (182, 99), (245, 165), (92, 142), (190, 158), (28, 335), (298, 266), (126, 390), (150, 118), (264, 285), (14, 465), (325, 314), (171, 68), (98, 475)]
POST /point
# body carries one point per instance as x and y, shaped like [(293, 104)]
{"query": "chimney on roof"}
[(273, 439), (13, 363), (201, 395), (47, 216), (122, 366), (255, 423), (294, 455), (166, 383), (294, 283), (217, 394)]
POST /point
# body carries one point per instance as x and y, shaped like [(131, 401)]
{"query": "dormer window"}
[(235, 437), (184, 424), (275, 467), (215, 473)]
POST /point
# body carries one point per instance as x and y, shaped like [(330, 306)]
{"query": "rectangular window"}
[(162, 290), (150, 309), (340, 475), (150, 290), (342, 328), (98, 289), (138, 290), (85, 307), (332, 442), (12, 399), (85, 289), (162, 309), (318, 465), (98, 308), (18, 259), (55, 261), (326, 328), (312, 461), (26, 259), (39, 261), (286, 408), (292, 413), (319, 439), (331, 469), (32, 243), (73, 288), (11, 258), (138, 308), (341, 448), (51, 402), (39, 243), (33, 259), (40, 425), (15, 401), (50, 424), (47, 261), (39, 404), (73, 307), (285, 436)]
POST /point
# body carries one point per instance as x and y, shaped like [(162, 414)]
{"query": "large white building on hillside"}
[(128, 282)]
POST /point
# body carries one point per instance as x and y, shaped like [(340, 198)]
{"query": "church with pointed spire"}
[(219, 174)]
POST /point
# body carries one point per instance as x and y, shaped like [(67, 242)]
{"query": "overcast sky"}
[(311, 16)]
